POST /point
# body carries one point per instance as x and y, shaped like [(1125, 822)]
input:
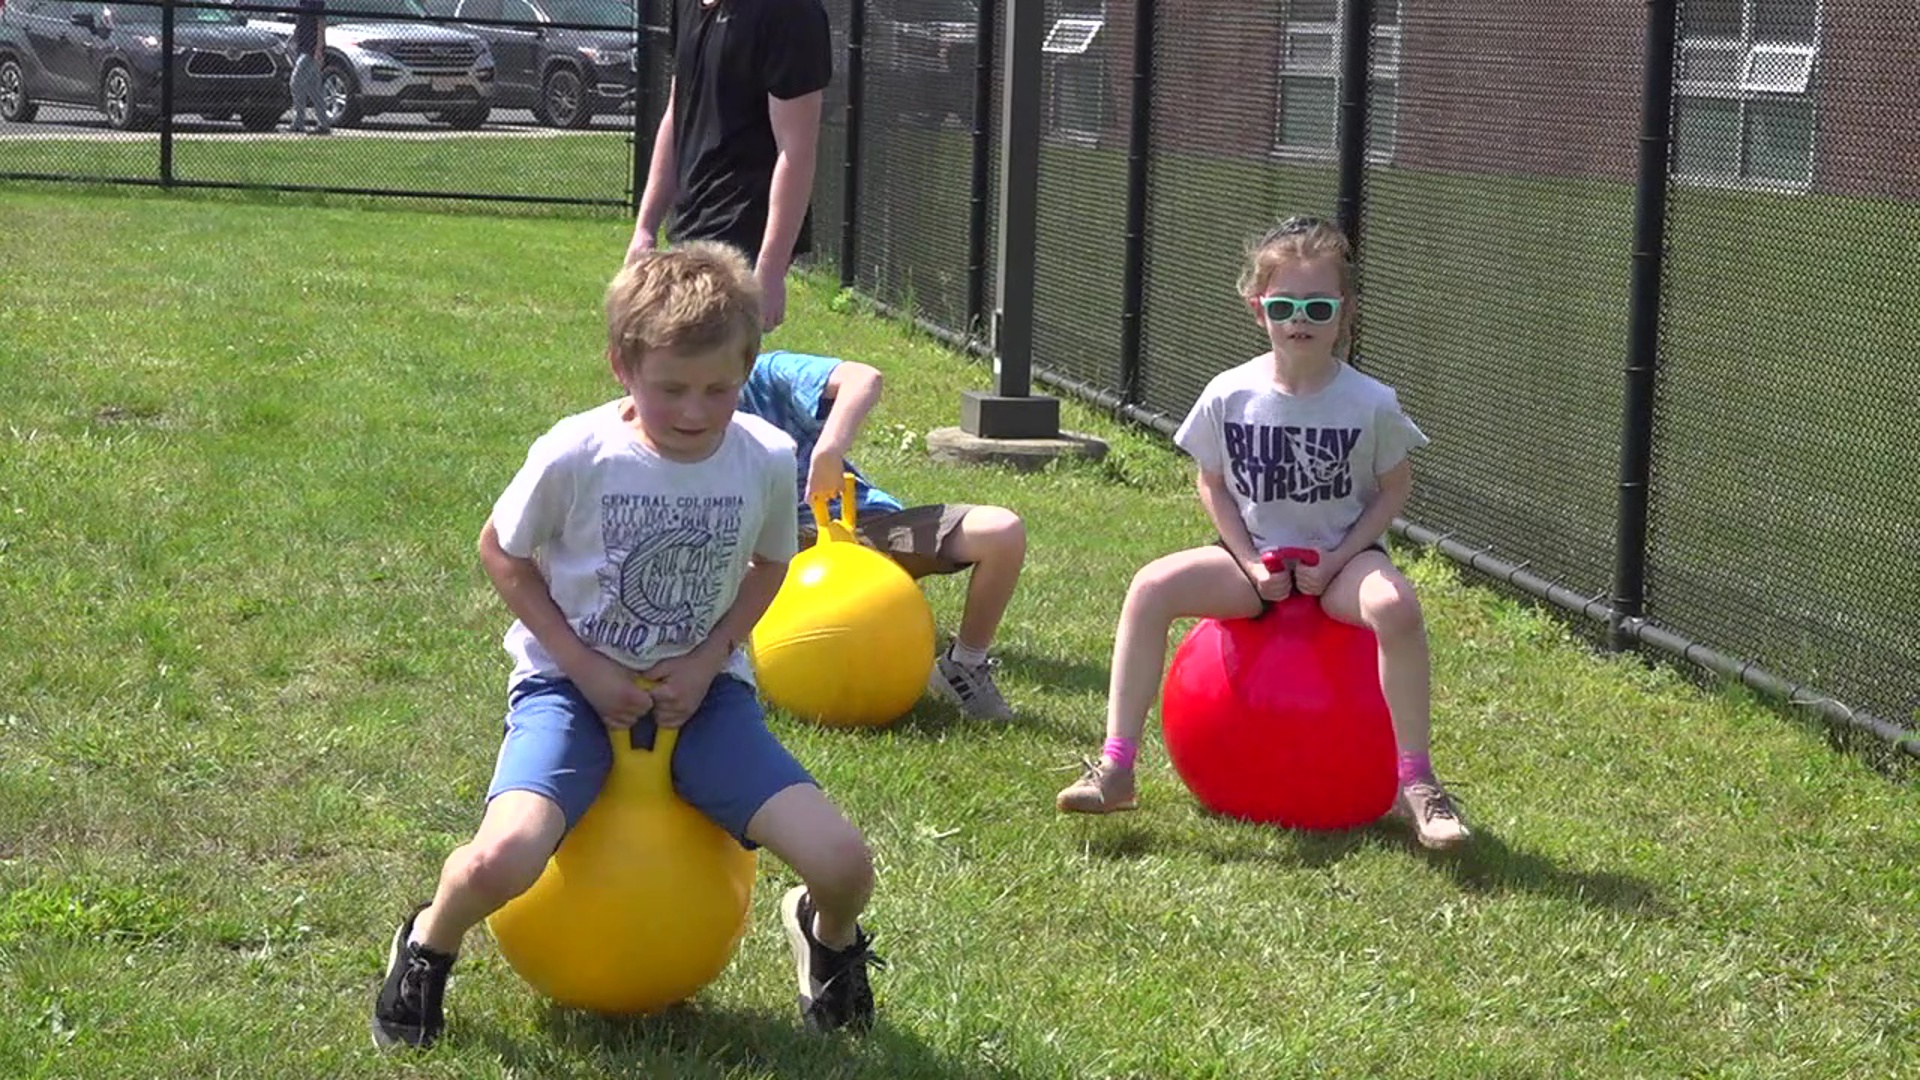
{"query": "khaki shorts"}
[(918, 537)]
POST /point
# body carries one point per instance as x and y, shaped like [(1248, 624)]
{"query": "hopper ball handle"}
[(1283, 558)]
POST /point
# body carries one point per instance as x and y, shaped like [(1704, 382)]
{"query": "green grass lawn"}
[(253, 690), (596, 165)]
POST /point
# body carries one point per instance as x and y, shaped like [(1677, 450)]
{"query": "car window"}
[(519, 11), (610, 13), (480, 9), (375, 8), (149, 15)]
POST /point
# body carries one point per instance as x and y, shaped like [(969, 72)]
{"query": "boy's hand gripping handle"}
[(848, 512)]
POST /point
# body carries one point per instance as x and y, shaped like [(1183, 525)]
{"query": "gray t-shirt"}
[(641, 553), (1302, 467)]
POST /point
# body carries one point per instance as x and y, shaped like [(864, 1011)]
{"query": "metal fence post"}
[(850, 162), (1355, 47), (1139, 157), (983, 38), (166, 94), (643, 136), (1012, 411), (1643, 322)]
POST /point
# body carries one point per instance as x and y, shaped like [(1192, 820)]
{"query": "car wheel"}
[(563, 100), (117, 101), (340, 94), (15, 106)]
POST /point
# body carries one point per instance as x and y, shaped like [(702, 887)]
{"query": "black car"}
[(567, 75), (108, 57)]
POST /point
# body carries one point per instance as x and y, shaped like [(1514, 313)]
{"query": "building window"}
[(1745, 92), (1076, 77), (1307, 121)]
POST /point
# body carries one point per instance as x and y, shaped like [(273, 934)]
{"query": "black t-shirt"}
[(729, 58), (306, 26)]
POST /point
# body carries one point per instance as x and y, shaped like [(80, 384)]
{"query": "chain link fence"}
[(1498, 214), (1499, 192), (505, 100), (1784, 518), (1643, 271)]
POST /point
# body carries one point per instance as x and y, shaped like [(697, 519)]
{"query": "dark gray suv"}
[(108, 57), (565, 73)]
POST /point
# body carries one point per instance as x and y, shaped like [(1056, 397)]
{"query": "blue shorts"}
[(726, 763)]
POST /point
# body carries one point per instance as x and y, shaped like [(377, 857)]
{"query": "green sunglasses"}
[(1318, 309)]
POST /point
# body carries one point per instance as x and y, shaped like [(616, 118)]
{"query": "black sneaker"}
[(834, 992), (407, 1011)]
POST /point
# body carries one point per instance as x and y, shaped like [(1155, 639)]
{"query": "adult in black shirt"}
[(734, 158)]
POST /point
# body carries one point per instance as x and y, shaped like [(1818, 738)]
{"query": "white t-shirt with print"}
[(1302, 468), (644, 554)]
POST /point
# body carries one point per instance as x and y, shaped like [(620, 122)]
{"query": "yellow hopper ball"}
[(642, 905), (848, 640)]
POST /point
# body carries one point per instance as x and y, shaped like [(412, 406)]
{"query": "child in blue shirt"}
[(820, 402)]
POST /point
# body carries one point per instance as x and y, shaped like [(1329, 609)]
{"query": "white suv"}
[(380, 61)]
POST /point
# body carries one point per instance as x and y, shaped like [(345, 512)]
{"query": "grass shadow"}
[(1044, 669), (1486, 864), (695, 1039)]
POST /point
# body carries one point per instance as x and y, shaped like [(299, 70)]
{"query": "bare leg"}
[(994, 540), (830, 951), (1371, 592), (807, 832), (503, 860), (1200, 582)]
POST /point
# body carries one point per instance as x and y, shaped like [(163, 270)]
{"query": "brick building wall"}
[(1868, 110), (1516, 87)]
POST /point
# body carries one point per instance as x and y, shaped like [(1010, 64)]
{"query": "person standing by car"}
[(734, 158), (309, 57)]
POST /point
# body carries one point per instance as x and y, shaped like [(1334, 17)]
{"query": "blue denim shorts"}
[(726, 763)]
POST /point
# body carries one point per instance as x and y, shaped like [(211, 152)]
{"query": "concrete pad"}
[(954, 446)]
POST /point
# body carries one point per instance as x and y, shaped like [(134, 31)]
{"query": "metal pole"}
[(1643, 323), (1139, 154), (643, 136), (850, 162), (982, 162), (1019, 198), (1012, 411), (166, 94), (1355, 47)]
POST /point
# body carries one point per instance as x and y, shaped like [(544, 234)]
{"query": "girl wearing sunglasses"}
[(1295, 448)]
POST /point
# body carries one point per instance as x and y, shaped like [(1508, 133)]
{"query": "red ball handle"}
[(1277, 559)]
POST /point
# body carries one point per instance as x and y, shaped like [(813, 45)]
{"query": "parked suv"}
[(107, 56), (565, 75), (379, 61)]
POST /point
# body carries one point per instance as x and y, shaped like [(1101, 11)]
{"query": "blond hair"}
[(697, 297), (1302, 239)]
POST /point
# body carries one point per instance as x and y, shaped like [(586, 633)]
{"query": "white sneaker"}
[(971, 687)]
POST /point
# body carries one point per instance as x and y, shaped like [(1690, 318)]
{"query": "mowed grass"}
[(253, 688), (595, 165)]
